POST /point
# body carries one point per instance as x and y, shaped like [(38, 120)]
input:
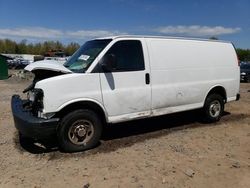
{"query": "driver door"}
[(126, 86)]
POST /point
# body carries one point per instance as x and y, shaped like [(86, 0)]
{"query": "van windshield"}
[(85, 55)]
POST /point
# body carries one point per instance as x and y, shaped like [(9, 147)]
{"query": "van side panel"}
[(69, 88), (183, 72)]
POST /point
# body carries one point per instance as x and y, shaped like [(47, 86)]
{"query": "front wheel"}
[(213, 108), (79, 130)]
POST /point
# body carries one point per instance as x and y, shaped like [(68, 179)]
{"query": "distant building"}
[(55, 53)]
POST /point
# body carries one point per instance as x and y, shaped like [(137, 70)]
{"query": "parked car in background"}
[(17, 63), (245, 72)]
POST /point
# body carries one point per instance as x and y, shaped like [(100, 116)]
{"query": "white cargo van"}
[(123, 78)]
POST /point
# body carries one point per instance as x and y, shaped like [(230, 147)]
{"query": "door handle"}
[(147, 78)]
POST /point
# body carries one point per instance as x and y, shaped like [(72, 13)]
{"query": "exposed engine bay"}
[(34, 102)]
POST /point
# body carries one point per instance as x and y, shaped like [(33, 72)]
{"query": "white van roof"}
[(161, 37)]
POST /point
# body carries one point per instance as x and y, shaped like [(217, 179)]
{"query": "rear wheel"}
[(213, 108), (79, 130)]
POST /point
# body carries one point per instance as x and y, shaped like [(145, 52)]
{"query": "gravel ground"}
[(170, 151)]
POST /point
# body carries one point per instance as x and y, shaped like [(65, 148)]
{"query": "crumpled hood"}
[(47, 65)]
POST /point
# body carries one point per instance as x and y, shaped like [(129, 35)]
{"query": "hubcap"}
[(215, 108), (81, 132)]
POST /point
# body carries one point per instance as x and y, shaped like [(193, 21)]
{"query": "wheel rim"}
[(215, 109), (80, 132)]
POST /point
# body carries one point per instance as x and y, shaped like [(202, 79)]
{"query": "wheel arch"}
[(83, 104), (218, 89)]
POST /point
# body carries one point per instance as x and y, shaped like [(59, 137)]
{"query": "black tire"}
[(79, 130), (213, 108)]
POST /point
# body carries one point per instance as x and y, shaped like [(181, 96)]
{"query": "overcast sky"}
[(79, 20)]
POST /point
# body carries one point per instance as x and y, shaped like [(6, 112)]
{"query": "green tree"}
[(22, 47), (9, 46), (71, 48), (243, 54)]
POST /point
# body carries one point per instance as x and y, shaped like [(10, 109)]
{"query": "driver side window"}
[(127, 55)]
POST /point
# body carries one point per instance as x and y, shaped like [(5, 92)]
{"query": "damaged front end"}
[(28, 113), (34, 102), (29, 125)]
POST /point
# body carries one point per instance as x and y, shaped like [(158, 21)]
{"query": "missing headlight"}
[(30, 96), (37, 103)]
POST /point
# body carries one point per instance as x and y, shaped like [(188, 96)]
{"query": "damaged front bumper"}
[(29, 125)]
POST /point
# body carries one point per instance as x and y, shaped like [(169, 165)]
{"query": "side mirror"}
[(109, 63)]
